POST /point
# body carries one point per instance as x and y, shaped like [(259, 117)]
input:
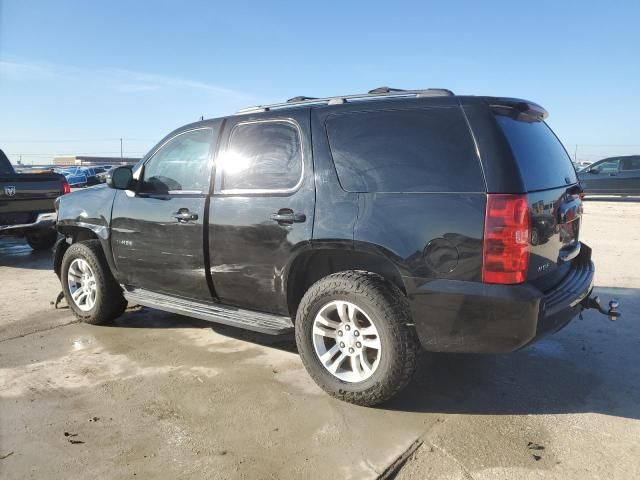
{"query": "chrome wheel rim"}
[(346, 341), (82, 284)]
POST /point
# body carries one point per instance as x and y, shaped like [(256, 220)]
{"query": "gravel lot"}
[(162, 396)]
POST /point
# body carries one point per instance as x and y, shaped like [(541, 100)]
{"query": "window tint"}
[(181, 164), (262, 156), (542, 159), (610, 166), (418, 150), (632, 163)]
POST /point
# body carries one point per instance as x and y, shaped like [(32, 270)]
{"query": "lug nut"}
[(340, 333), (347, 328), (351, 350), (358, 344), (341, 344), (356, 333)]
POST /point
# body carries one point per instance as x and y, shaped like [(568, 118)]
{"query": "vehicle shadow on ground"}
[(143, 317), (591, 366), (611, 198), (16, 253)]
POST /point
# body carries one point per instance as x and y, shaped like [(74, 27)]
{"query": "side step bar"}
[(227, 315)]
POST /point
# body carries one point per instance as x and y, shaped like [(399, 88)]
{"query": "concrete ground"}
[(162, 396)]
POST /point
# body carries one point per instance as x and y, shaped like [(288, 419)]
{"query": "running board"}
[(225, 314)]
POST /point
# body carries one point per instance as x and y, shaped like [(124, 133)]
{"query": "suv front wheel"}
[(354, 336), (89, 288)]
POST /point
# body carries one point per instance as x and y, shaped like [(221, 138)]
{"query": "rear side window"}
[(417, 150), (541, 158), (632, 163), (263, 155)]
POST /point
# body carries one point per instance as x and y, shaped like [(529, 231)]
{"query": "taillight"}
[(506, 239), (65, 187)]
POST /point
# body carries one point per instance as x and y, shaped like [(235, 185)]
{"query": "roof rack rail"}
[(380, 92), (300, 98), (385, 90)]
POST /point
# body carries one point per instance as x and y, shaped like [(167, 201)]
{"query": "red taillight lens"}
[(506, 239), (65, 187)]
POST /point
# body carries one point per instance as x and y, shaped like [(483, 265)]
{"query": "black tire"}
[(388, 310), (110, 303), (43, 239)]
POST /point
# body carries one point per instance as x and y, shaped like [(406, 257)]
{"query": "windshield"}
[(542, 159)]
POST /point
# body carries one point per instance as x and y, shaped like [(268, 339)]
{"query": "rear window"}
[(417, 150), (542, 160), (5, 165)]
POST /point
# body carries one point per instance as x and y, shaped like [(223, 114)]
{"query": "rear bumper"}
[(43, 220), (473, 317)]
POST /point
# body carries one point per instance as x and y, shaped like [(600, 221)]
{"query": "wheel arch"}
[(74, 234), (312, 265)]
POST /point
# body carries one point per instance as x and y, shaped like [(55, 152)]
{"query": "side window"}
[(631, 163), (182, 164), (265, 155), (610, 166), (412, 150)]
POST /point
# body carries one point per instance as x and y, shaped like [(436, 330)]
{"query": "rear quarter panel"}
[(426, 235)]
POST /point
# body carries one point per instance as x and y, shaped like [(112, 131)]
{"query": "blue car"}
[(74, 175)]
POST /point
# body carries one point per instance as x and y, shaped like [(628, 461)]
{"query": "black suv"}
[(368, 224)]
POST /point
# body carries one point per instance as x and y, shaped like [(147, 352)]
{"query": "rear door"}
[(553, 192), (629, 176), (262, 208), (157, 234)]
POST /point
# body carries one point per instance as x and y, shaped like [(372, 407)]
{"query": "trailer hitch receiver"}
[(594, 302)]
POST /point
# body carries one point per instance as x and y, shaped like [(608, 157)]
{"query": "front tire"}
[(88, 285), (41, 239), (355, 339)]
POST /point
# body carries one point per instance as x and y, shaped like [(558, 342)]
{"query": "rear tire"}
[(386, 355), (43, 239), (88, 285)]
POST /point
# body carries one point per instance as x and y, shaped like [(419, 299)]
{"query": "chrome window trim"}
[(257, 191)]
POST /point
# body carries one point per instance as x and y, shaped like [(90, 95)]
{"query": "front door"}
[(262, 208), (157, 234), (602, 177)]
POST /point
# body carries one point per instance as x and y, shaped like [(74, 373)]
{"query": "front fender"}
[(87, 214)]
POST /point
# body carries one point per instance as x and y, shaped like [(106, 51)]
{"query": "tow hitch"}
[(594, 302)]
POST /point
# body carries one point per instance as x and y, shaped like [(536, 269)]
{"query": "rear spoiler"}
[(517, 109)]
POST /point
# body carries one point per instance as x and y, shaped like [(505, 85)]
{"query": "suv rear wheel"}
[(89, 288), (354, 337), (41, 239)]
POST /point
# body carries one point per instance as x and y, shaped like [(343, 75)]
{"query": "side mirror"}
[(121, 178), (593, 170)]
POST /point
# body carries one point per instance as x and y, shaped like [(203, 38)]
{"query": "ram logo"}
[(10, 191)]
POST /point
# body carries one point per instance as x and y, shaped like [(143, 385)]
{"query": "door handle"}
[(286, 216), (184, 215)]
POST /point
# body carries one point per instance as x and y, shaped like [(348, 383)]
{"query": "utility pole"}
[(575, 154), (121, 158)]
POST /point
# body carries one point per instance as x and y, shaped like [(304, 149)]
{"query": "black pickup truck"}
[(369, 225), (26, 204)]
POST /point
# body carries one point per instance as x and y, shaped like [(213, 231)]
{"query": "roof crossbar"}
[(381, 92)]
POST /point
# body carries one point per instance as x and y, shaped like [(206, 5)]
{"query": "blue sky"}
[(75, 76)]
